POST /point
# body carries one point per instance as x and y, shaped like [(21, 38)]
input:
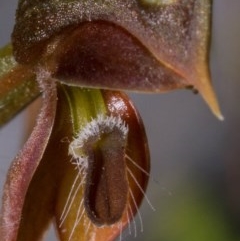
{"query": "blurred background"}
[(195, 177)]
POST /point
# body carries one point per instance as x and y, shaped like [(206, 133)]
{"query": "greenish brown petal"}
[(23, 168), (17, 86), (40, 200)]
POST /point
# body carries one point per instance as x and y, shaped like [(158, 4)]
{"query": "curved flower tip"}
[(89, 170), (206, 90), (138, 45)]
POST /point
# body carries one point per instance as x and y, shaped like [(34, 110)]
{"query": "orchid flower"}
[(86, 163)]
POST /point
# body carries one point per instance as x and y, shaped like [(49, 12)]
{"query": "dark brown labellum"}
[(101, 147), (106, 188)]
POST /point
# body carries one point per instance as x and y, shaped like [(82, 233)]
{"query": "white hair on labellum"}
[(140, 188), (79, 148), (92, 132), (95, 128), (131, 217)]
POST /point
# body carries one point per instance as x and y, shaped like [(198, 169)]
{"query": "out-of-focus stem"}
[(17, 86)]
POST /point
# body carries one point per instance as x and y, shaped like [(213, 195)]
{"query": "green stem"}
[(84, 104)]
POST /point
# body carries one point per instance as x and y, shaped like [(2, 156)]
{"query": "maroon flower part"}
[(86, 163), (25, 165)]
